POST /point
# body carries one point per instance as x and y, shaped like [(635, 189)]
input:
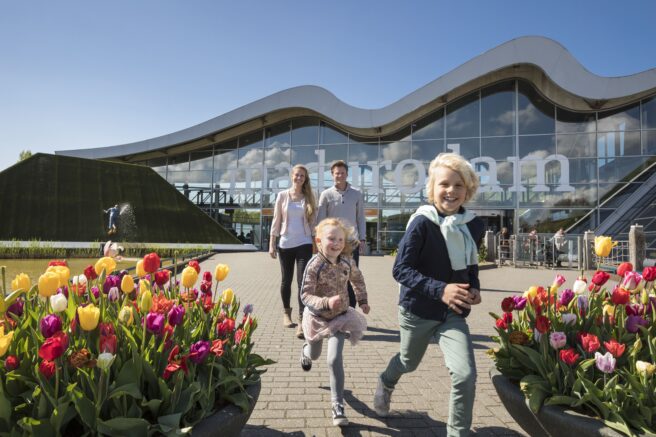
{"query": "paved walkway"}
[(293, 402)]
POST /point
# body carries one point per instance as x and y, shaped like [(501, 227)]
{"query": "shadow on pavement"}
[(383, 334)]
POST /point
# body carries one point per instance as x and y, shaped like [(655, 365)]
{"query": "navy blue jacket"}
[(423, 268)]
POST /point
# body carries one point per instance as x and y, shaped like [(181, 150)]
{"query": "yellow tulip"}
[(105, 263), (221, 271), (48, 284), (531, 293), (189, 277), (603, 246), (140, 269), (5, 340), (227, 296), (22, 281), (146, 301), (62, 271), (609, 310), (126, 316), (89, 317), (645, 368), (127, 284)]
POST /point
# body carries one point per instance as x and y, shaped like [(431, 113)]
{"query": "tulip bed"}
[(590, 347), (101, 353)]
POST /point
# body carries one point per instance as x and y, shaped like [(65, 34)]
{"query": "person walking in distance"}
[(112, 226), (294, 218), (345, 202), (327, 312), (437, 269)]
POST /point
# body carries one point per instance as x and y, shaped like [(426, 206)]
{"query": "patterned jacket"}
[(323, 279)]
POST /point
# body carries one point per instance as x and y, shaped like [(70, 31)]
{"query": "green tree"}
[(23, 155)]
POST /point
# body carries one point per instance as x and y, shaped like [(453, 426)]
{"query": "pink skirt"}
[(316, 328)]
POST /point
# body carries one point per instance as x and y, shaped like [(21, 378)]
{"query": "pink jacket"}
[(279, 224)]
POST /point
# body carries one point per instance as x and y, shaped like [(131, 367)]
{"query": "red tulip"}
[(600, 278), (620, 296), (590, 342), (542, 324), (194, 263), (649, 274), (47, 368), (623, 268), (569, 356), (90, 273), (151, 262), (107, 344), (54, 347), (217, 348), (11, 363), (615, 348), (162, 277), (508, 305)]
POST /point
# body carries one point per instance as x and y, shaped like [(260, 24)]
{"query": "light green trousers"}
[(453, 338)]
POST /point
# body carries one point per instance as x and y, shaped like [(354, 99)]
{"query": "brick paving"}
[(297, 403)]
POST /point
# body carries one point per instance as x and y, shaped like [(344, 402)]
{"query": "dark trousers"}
[(351, 293), (298, 255)]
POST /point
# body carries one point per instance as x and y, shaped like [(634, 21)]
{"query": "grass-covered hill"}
[(59, 198)]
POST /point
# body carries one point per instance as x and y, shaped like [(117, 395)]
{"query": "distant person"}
[(114, 212), (242, 237), (294, 218), (504, 244), (345, 202), (560, 245)]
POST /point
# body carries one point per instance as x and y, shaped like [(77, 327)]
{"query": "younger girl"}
[(327, 312)]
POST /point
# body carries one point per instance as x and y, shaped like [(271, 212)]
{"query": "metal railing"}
[(525, 250)]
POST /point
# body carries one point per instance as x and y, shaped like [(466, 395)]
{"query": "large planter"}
[(228, 421), (550, 420)]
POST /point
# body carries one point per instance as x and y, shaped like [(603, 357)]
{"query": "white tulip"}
[(105, 360), (58, 302)]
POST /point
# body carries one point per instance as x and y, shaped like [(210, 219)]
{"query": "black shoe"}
[(339, 418), (306, 362)]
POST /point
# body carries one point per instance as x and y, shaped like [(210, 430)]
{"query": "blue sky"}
[(79, 74)]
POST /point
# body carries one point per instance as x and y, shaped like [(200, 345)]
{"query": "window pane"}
[(571, 122), (581, 170), (462, 118), (468, 148), (623, 119), (201, 160), (649, 140), (251, 141), (620, 169), (277, 155), (537, 145), (396, 151), (498, 147), (179, 162), (304, 155), (225, 159), (332, 135), (362, 152), (279, 135), (305, 131), (535, 113), (498, 109), (505, 197), (649, 113), (427, 150), (577, 145), (611, 144), (157, 164), (430, 127), (250, 158), (548, 220)]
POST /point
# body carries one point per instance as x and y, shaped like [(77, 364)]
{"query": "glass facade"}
[(541, 166)]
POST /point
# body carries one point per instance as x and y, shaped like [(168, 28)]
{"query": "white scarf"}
[(459, 242)]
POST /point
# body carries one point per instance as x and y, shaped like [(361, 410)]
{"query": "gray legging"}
[(335, 363)]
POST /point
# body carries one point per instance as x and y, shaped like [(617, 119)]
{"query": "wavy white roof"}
[(548, 55)]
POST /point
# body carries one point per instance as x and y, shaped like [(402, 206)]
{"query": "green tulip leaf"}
[(131, 389), (170, 422), (123, 426)]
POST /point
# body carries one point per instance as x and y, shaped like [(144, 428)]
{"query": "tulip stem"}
[(56, 380)]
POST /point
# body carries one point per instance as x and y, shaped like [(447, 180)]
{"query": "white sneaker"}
[(339, 418), (382, 399)]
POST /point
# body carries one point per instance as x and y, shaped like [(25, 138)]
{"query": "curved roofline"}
[(546, 54)]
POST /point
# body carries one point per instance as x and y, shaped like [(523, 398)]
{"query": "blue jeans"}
[(454, 339)]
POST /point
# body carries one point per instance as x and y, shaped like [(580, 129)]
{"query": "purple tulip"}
[(583, 303), (176, 315), (557, 340), (633, 323), (198, 351), (50, 325), (111, 281), (113, 294), (155, 322), (17, 307), (520, 302), (605, 362), (96, 291), (63, 290), (566, 297), (634, 309), (249, 308)]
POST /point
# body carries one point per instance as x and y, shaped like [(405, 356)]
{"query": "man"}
[(345, 202), (113, 219)]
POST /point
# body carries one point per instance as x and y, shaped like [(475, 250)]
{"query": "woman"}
[(294, 219)]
